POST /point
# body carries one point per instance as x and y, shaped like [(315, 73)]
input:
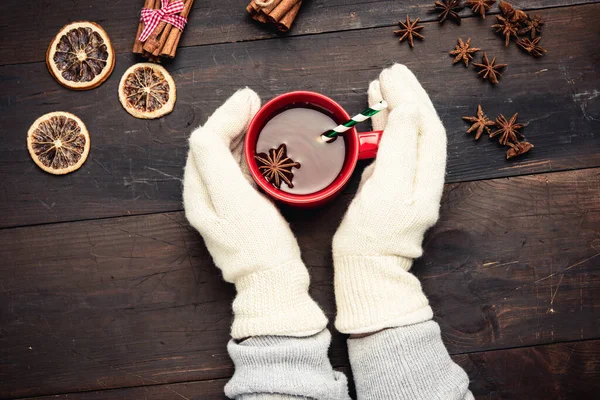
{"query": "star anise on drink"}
[(533, 25), (506, 27), (480, 6), (531, 46), (409, 30), (508, 130), (480, 123), (516, 149), (489, 69), (448, 9), (463, 52), (276, 166)]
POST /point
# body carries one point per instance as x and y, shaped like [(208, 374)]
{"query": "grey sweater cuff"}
[(267, 396), (409, 362), (284, 368)]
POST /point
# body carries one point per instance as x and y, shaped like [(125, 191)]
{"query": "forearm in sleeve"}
[(408, 362), (284, 368)]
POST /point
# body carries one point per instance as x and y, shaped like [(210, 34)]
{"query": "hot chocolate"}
[(300, 129)]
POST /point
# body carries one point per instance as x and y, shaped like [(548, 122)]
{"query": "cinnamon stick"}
[(286, 22), (282, 8), (280, 13), (150, 43), (170, 47), (137, 45), (252, 8), (163, 40), (263, 3), (261, 17), (270, 8), (265, 11), (259, 13)]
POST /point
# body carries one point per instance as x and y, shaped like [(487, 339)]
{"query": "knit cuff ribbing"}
[(276, 302), (377, 292), (268, 396), (277, 367), (410, 362)]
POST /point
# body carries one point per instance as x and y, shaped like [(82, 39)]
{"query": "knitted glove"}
[(397, 201), (247, 237)]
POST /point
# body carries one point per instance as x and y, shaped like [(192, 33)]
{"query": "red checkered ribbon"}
[(167, 13)]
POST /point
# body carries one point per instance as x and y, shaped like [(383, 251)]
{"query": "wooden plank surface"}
[(27, 28), (135, 166), (136, 301), (564, 371)]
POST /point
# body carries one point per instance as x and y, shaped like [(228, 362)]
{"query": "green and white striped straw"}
[(330, 135)]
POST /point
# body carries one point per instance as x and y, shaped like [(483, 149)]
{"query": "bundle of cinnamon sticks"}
[(164, 39), (279, 13)]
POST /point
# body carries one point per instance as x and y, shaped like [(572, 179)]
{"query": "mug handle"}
[(368, 143)]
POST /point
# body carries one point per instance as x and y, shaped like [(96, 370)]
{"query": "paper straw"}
[(330, 135)]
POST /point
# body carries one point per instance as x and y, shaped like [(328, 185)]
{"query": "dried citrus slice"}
[(147, 91), (58, 142), (81, 56)]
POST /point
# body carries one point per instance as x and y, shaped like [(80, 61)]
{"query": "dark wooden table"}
[(107, 293)]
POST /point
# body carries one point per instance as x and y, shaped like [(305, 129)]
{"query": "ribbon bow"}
[(167, 13)]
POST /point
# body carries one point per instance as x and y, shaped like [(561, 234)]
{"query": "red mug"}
[(359, 145)]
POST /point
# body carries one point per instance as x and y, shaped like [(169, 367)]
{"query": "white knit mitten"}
[(246, 235), (397, 201)]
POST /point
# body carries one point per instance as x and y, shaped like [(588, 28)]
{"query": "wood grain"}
[(27, 28), (565, 371), (135, 166), (136, 301)]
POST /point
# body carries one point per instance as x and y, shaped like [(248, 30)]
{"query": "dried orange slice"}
[(147, 91), (81, 56), (58, 142)]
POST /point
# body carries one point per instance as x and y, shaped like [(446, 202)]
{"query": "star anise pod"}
[(409, 29), (489, 69), (480, 6), (448, 9), (276, 166), (531, 46), (533, 25), (511, 13), (519, 16), (508, 130), (516, 149), (506, 8), (463, 52), (507, 28), (480, 123)]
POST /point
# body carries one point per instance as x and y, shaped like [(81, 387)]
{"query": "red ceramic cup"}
[(359, 146)]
